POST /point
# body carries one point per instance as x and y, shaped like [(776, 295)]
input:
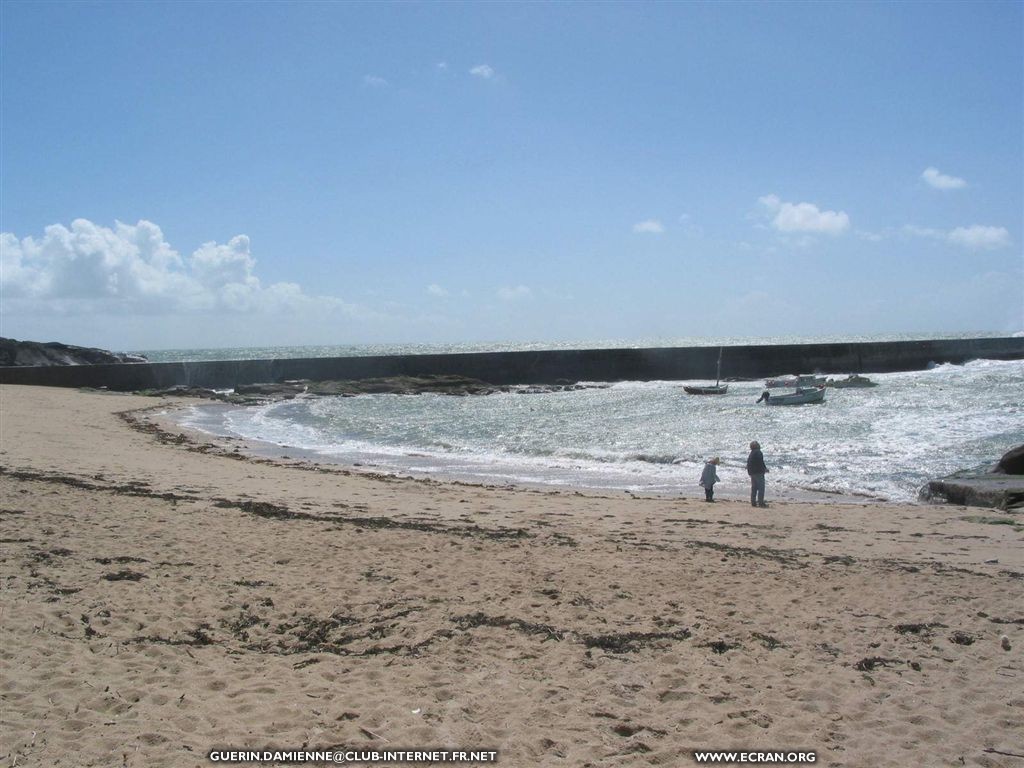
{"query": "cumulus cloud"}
[(373, 81), (650, 226), (516, 293), (978, 237), (132, 269), (939, 180), (803, 217), (483, 71)]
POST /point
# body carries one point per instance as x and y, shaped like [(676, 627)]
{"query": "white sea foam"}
[(650, 436)]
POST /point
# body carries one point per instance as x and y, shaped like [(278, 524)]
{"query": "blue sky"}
[(222, 174)]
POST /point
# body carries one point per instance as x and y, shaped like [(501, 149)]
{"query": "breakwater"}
[(538, 367)]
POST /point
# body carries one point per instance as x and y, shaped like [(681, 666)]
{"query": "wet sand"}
[(164, 596)]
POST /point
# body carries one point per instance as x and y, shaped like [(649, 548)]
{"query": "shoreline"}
[(270, 450), (163, 598)]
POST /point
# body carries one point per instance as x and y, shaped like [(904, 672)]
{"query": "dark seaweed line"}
[(277, 512), (128, 489), (786, 557), (941, 569), (267, 510), (622, 642)]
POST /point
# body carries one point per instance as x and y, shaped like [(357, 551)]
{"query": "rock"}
[(286, 390), (1001, 487), (24, 353), (180, 390), (997, 491), (1012, 462), (438, 384), (406, 385)]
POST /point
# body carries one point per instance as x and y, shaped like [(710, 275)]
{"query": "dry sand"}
[(162, 597)]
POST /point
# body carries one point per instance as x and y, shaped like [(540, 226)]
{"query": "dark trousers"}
[(709, 493), (757, 490)]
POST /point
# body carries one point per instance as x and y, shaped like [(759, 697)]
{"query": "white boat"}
[(802, 396)]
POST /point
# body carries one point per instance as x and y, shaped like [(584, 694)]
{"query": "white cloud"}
[(436, 290), (940, 180), (804, 217), (442, 65), (650, 226), (980, 238), (506, 293), (131, 269), (483, 71), (977, 237), (372, 81)]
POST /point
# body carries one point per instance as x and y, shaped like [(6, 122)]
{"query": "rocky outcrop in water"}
[(460, 386), (406, 385), (440, 385), (22, 353), (1002, 487)]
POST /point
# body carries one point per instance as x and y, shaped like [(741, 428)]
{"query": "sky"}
[(181, 175)]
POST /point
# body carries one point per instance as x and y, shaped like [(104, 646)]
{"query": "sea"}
[(878, 444)]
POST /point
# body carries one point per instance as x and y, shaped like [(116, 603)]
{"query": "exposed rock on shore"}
[(18, 353), (406, 385), (1002, 487), (252, 394), (1012, 462)]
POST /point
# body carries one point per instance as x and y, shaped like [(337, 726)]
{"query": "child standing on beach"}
[(708, 478)]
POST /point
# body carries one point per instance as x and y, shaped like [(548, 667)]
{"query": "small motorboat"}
[(718, 388), (802, 396)]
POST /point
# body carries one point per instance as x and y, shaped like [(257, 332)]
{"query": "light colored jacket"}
[(709, 476)]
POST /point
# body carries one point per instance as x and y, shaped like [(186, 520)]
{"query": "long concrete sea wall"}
[(538, 367)]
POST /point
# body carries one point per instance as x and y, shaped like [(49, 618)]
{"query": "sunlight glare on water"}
[(882, 442)]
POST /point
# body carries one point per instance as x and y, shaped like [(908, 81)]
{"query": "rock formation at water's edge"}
[(23, 353)]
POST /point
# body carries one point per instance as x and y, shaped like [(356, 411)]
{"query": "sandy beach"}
[(165, 595)]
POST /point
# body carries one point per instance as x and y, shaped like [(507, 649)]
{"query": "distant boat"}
[(802, 396), (853, 381), (710, 389), (789, 382), (717, 389)]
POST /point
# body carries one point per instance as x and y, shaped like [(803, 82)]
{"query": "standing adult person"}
[(757, 470)]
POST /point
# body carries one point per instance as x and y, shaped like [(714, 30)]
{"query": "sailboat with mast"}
[(718, 389)]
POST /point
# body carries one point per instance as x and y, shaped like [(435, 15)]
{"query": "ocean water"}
[(881, 443)]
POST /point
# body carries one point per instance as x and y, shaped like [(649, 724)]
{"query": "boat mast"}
[(718, 380)]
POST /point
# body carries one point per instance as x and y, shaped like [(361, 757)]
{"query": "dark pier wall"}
[(539, 367)]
